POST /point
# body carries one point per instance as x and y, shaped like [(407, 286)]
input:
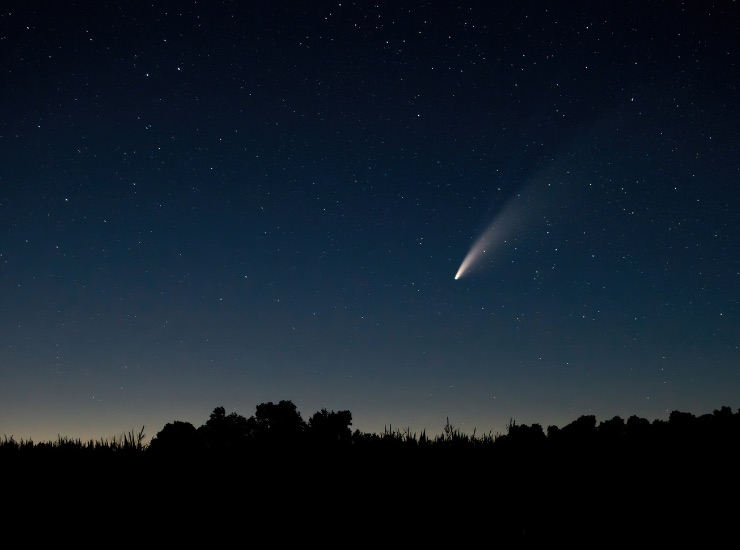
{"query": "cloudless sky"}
[(212, 204)]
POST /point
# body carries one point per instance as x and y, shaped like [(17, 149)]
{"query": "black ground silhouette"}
[(275, 477)]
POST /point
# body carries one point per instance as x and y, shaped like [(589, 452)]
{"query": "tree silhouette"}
[(576, 436), (611, 433), (613, 428), (279, 424), (174, 438), (581, 429), (637, 429), (681, 421), (330, 428), (224, 432), (524, 438)]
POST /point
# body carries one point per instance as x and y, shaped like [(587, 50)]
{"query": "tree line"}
[(280, 426), (617, 480)]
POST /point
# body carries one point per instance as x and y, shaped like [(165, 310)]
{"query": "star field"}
[(223, 204)]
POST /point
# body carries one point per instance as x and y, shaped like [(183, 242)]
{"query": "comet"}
[(553, 190), (489, 241), (500, 231), (479, 249)]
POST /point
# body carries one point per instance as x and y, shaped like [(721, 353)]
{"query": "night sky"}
[(210, 204)]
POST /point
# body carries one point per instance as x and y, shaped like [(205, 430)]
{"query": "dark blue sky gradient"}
[(212, 204)]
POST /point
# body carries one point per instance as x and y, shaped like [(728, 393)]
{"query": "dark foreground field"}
[(402, 498), (616, 484)]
